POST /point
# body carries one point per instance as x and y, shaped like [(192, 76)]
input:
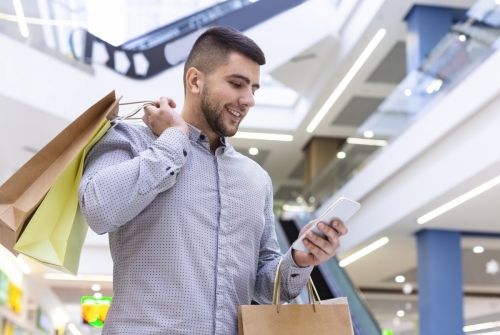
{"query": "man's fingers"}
[(320, 242), (318, 252), (149, 110), (340, 227), (165, 101)]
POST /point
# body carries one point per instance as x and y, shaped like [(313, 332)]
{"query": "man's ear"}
[(194, 81)]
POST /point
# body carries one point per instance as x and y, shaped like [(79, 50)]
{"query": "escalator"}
[(331, 280), (168, 46)]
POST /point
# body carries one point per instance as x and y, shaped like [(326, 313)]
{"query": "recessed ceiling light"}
[(341, 155), (400, 279), (363, 252), (400, 313), (368, 134), (407, 92), (97, 295), (458, 201), (312, 199), (367, 141), (253, 151), (478, 249), (347, 79), (462, 38), (407, 288), (96, 287)]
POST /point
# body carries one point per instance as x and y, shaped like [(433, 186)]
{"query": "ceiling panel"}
[(392, 69), (285, 192), (357, 111), (260, 158), (298, 172)]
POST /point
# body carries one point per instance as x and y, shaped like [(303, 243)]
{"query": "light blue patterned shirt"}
[(191, 233)]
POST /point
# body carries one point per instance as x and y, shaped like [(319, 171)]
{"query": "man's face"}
[(227, 94)]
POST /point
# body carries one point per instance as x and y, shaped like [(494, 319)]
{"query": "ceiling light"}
[(497, 2), (400, 313), (72, 328), (264, 136), (458, 201), (253, 151), (407, 288), (400, 279), (97, 295), (492, 267), (407, 92), (363, 252), (368, 134), (462, 38), (21, 19), (481, 326), (434, 86), (96, 287), (478, 249), (45, 22), (312, 199), (367, 141), (64, 276), (62, 315), (348, 77), (341, 155)]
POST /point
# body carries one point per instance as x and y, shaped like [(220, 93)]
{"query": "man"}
[(190, 220)]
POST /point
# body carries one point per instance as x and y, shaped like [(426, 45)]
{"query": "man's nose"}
[(247, 99)]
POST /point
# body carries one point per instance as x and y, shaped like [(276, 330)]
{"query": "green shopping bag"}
[(57, 231)]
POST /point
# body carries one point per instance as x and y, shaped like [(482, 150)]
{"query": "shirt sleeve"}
[(122, 175), (293, 277)]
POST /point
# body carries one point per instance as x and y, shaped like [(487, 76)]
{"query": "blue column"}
[(440, 282), (426, 26)]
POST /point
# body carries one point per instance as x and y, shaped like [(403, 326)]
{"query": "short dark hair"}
[(213, 47)]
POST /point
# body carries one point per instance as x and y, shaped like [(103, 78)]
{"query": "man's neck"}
[(197, 120)]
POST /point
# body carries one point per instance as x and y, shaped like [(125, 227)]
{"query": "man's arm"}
[(122, 176), (293, 277)]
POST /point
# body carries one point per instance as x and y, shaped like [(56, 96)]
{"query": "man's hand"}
[(163, 116), (322, 249)]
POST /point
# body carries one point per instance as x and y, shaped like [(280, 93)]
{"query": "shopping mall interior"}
[(394, 104)]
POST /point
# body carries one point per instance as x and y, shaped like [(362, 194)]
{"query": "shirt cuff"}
[(291, 271), (177, 144)]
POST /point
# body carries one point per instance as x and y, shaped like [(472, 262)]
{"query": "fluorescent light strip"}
[(264, 136), (481, 326), (34, 20), (363, 252), (460, 200), (366, 141), (21, 19), (64, 276), (347, 79)]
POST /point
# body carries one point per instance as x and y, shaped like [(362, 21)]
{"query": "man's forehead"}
[(240, 64)]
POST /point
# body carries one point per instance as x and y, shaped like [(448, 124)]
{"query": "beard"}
[(214, 114)]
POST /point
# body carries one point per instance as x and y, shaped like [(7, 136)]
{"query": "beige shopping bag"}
[(328, 317), (25, 190)]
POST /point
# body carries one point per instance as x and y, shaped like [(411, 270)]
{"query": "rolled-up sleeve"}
[(293, 277), (122, 175)]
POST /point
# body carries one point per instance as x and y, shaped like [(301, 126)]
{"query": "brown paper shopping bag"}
[(317, 318), (25, 190)]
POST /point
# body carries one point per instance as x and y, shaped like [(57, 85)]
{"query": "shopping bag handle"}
[(116, 119), (312, 293)]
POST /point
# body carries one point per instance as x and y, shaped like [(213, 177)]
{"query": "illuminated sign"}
[(15, 298), (94, 310)]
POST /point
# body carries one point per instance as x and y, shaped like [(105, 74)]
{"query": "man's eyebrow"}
[(245, 79)]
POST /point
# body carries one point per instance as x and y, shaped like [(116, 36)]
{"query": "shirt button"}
[(202, 137), (185, 153), (295, 275), (172, 173)]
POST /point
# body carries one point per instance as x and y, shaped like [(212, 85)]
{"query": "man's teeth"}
[(235, 113)]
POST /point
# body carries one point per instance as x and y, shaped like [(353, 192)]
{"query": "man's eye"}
[(236, 85)]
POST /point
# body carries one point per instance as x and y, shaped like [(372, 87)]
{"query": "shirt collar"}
[(197, 135)]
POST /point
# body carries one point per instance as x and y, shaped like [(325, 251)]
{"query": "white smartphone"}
[(341, 210)]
